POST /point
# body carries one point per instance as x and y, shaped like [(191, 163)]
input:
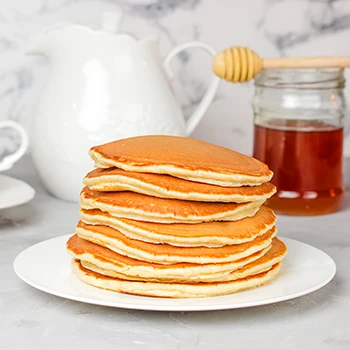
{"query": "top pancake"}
[(165, 186), (182, 157)]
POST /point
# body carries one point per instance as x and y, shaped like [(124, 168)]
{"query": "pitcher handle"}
[(9, 160), (197, 115)]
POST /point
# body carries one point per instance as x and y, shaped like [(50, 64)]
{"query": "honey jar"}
[(298, 133)]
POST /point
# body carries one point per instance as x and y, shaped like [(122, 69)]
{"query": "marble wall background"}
[(270, 27)]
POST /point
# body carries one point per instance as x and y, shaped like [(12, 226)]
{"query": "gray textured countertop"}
[(31, 319)]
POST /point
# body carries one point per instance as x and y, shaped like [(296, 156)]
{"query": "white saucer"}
[(14, 192), (304, 270)]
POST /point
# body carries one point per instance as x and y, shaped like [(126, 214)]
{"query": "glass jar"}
[(298, 133)]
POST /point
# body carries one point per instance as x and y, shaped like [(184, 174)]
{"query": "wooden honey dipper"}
[(240, 64)]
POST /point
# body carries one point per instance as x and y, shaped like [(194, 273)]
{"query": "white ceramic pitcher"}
[(102, 86)]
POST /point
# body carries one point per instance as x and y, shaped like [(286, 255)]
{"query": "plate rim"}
[(30, 194), (174, 308)]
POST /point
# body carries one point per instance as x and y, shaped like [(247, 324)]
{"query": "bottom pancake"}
[(172, 290)]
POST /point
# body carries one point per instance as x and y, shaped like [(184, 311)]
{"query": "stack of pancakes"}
[(176, 217)]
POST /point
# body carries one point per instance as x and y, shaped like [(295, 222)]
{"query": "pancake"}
[(165, 186), (138, 206), (207, 234), (278, 252), (172, 290), (167, 254), (109, 263), (182, 157), (94, 256)]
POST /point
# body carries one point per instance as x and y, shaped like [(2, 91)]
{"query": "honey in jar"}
[(298, 133)]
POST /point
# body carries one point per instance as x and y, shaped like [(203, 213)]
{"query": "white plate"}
[(304, 270), (14, 192)]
